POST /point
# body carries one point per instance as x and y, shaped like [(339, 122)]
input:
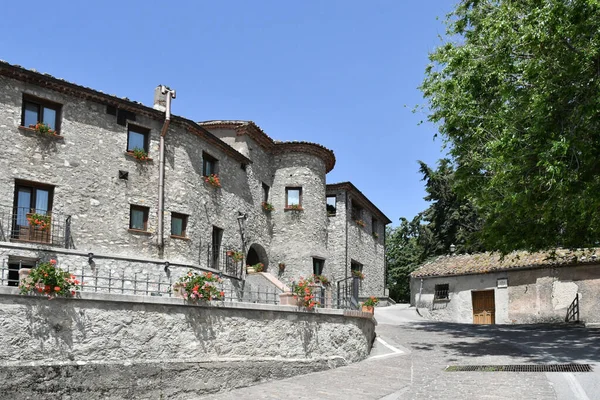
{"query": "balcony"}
[(19, 224)]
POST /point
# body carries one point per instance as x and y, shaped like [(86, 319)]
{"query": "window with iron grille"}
[(441, 292)]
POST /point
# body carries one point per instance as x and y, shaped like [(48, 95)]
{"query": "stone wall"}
[(101, 345), (540, 295)]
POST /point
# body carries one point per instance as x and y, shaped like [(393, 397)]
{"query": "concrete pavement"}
[(410, 355)]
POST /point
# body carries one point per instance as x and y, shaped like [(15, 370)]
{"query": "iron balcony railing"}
[(220, 259), (35, 226)]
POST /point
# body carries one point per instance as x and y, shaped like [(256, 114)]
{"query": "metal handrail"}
[(573, 310)]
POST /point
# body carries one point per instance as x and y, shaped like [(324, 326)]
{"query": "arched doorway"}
[(257, 254)]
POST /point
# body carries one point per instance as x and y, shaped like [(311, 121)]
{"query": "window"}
[(178, 224), (331, 205), (209, 164), (138, 218), (293, 197), (355, 266), (441, 292), (265, 191), (356, 212), (32, 198), (217, 237), (37, 110), (137, 138), (374, 227), (318, 264), (14, 265)]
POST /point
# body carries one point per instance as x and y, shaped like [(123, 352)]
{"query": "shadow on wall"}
[(552, 343)]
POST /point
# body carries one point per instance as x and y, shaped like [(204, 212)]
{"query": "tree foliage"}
[(515, 92), (449, 220)]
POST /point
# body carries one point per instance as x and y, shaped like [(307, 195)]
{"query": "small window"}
[(318, 264), (37, 110), (178, 224), (356, 266), (356, 212), (138, 218), (293, 197), (331, 205), (441, 292), (137, 138), (209, 165), (265, 191), (374, 227)]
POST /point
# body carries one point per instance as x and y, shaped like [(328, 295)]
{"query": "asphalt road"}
[(410, 355)]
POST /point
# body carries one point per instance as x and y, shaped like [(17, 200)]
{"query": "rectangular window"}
[(37, 110), (178, 224), (318, 264), (356, 212), (138, 218), (331, 205), (265, 190), (356, 266), (209, 165), (441, 292), (138, 138), (374, 227), (293, 197), (32, 200), (14, 265), (217, 237)]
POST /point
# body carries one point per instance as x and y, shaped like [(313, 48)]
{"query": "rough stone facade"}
[(100, 346), (536, 295), (84, 166)]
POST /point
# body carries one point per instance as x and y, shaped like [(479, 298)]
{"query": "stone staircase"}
[(260, 287)]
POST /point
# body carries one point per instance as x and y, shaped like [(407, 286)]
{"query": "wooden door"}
[(484, 307)]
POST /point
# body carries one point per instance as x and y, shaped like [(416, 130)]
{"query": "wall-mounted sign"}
[(502, 283)]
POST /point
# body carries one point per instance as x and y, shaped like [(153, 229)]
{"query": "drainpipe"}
[(170, 94), (419, 302), (346, 216)]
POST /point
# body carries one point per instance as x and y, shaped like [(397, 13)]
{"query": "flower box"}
[(369, 309)]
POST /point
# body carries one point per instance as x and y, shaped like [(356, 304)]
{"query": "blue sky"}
[(341, 73)]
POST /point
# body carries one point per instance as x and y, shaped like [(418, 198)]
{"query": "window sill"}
[(441, 300), (130, 154), (293, 209), (331, 215), (26, 129), (179, 237), (139, 232)]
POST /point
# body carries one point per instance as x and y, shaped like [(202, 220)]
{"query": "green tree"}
[(448, 220), (515, 91)]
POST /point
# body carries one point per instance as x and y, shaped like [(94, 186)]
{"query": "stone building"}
[(95, 178), (520, 288)]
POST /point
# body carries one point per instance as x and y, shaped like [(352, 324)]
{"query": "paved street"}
[(410, 355)]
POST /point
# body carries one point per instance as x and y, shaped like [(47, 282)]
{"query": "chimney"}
[(160, 99)]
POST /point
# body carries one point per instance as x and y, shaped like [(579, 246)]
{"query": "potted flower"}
[(236, 256), (375, 235), (213, 180), (295, 207), (258, 267), (268, 207), (281, 267), (369, 304), (306, 298), (39, 221), (49, 280), (322, 279), (195, 287), (140, 154), (43, 129), (358, 274), (360, 222)]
